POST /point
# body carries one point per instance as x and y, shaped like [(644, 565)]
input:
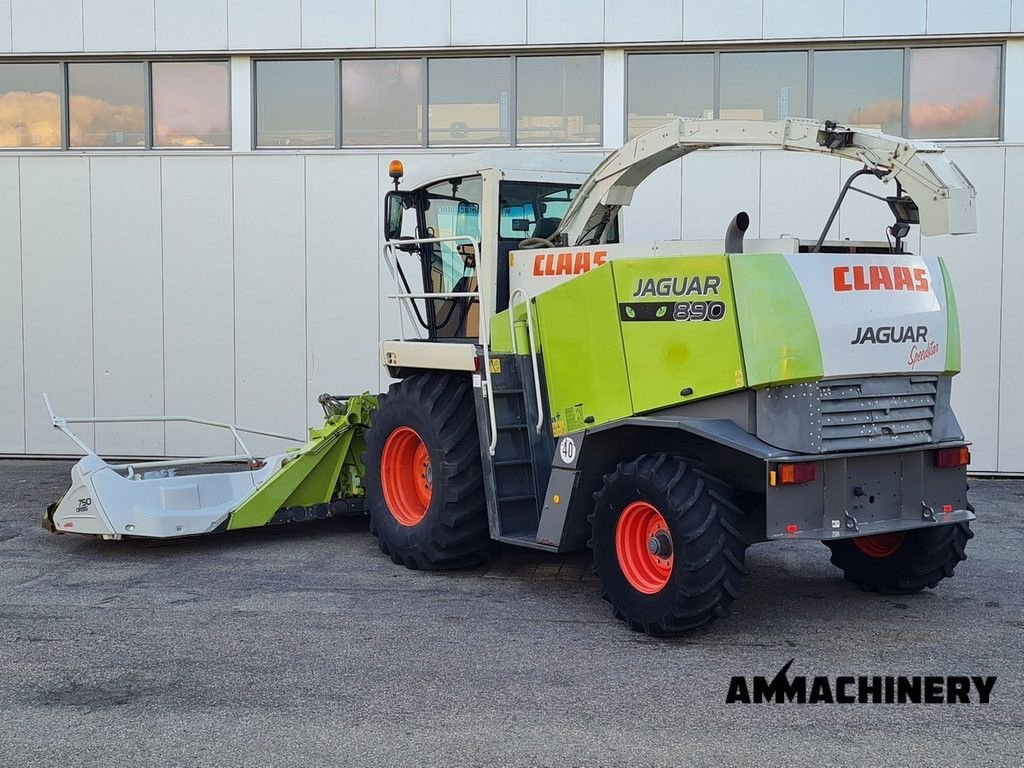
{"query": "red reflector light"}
[(795, 474), (791, 528), (948, 458)]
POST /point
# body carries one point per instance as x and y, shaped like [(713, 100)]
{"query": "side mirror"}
[(395, 204)]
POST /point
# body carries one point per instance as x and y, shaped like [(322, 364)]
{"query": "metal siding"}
[(338, 23), (865, 18), (56, 270), (5, 25), (704, 20), (476, 23), (413, 23), (198, 299), (803, 18), (660, 20), (567, 21), (1011, 358), (342, 256), (1017, 16), (46, 25), (1013, 96), (797, 193), (12, 371), (974, 263), (264, 24), (127, 306), (955, 17), (119, 25), (270, 296), (709, 203), (191, 25), (654, 214)]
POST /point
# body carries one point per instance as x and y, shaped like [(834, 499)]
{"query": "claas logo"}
[(567, 262), (879, 277)]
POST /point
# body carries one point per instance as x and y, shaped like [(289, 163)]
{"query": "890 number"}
[(698, 311)]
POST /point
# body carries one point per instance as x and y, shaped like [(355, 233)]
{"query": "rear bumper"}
[(866, 494)]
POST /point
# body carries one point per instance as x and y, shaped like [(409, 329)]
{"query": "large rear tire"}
[(902, 562), (668, 546), (424, 476)]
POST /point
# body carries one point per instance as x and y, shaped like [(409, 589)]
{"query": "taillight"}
[(793, 474), (949, 458)]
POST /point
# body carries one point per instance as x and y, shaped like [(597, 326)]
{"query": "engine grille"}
[(869, 413), (853, 414)]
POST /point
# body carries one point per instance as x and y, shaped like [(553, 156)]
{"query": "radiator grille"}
[(879, 412)]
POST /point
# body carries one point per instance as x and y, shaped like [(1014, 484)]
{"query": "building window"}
[(862, 89), (191, 104), (107, 105), (296, 103), (30, 105), (558, 99), (661, 87), (763, 85), (382, 102), (470, 101), (954, 92)]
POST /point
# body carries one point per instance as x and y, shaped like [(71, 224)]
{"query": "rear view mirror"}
[(395, 204)]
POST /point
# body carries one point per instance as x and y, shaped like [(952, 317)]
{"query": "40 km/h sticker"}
[(673, 311)]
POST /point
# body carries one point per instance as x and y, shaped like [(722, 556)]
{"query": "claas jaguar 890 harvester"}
[(664, 403)]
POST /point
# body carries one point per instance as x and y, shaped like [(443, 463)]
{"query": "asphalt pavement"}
[(304, 646)]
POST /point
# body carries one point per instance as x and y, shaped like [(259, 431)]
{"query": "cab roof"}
[(522, 163)]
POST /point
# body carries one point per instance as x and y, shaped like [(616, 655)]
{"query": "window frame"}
[(254, 111), (515, 97)]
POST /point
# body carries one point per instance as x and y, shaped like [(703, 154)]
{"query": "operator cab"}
[(452, 234)]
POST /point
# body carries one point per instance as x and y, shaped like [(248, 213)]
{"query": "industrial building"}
[(190, 190)]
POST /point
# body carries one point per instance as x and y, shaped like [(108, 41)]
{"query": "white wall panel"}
[(1011, 358), (270, 295), (411, 23), (119, 25), (198, 301), (797, 194), (654, 212), (866, 18), (1013, 84), (260, 24), (958, 17), (191, 25), (708, 203), (127, 302), (1017, 16), (476, 23), (975, 263), (46, 25), (704, 20), (5, 25), (567, 21), (56, 271), (12, 369), (803, 18), (342, 257), (338, 23), (658, 20)]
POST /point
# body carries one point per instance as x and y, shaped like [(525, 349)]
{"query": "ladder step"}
[(512, 462), (512, 391), (521, 497), (511, 426)]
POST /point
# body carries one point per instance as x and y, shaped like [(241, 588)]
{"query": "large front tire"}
[(424, 476), (668, 545), (902, 562)]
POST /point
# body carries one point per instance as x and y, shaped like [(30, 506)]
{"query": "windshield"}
[(532, 209)]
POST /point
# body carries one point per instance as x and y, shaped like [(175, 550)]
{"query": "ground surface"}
[(307, 647)]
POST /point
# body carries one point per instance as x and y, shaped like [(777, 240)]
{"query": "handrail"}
[(480, 296), (61, 423), (533, 348)]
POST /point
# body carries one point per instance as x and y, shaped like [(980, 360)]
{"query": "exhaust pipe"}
[(734, 234)]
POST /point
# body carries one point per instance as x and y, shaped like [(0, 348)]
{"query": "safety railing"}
[(62, 422), (406, 300), (519, 292)]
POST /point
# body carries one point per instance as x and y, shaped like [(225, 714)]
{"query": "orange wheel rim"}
[(406, 476), (880, 545), (643, 546)]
